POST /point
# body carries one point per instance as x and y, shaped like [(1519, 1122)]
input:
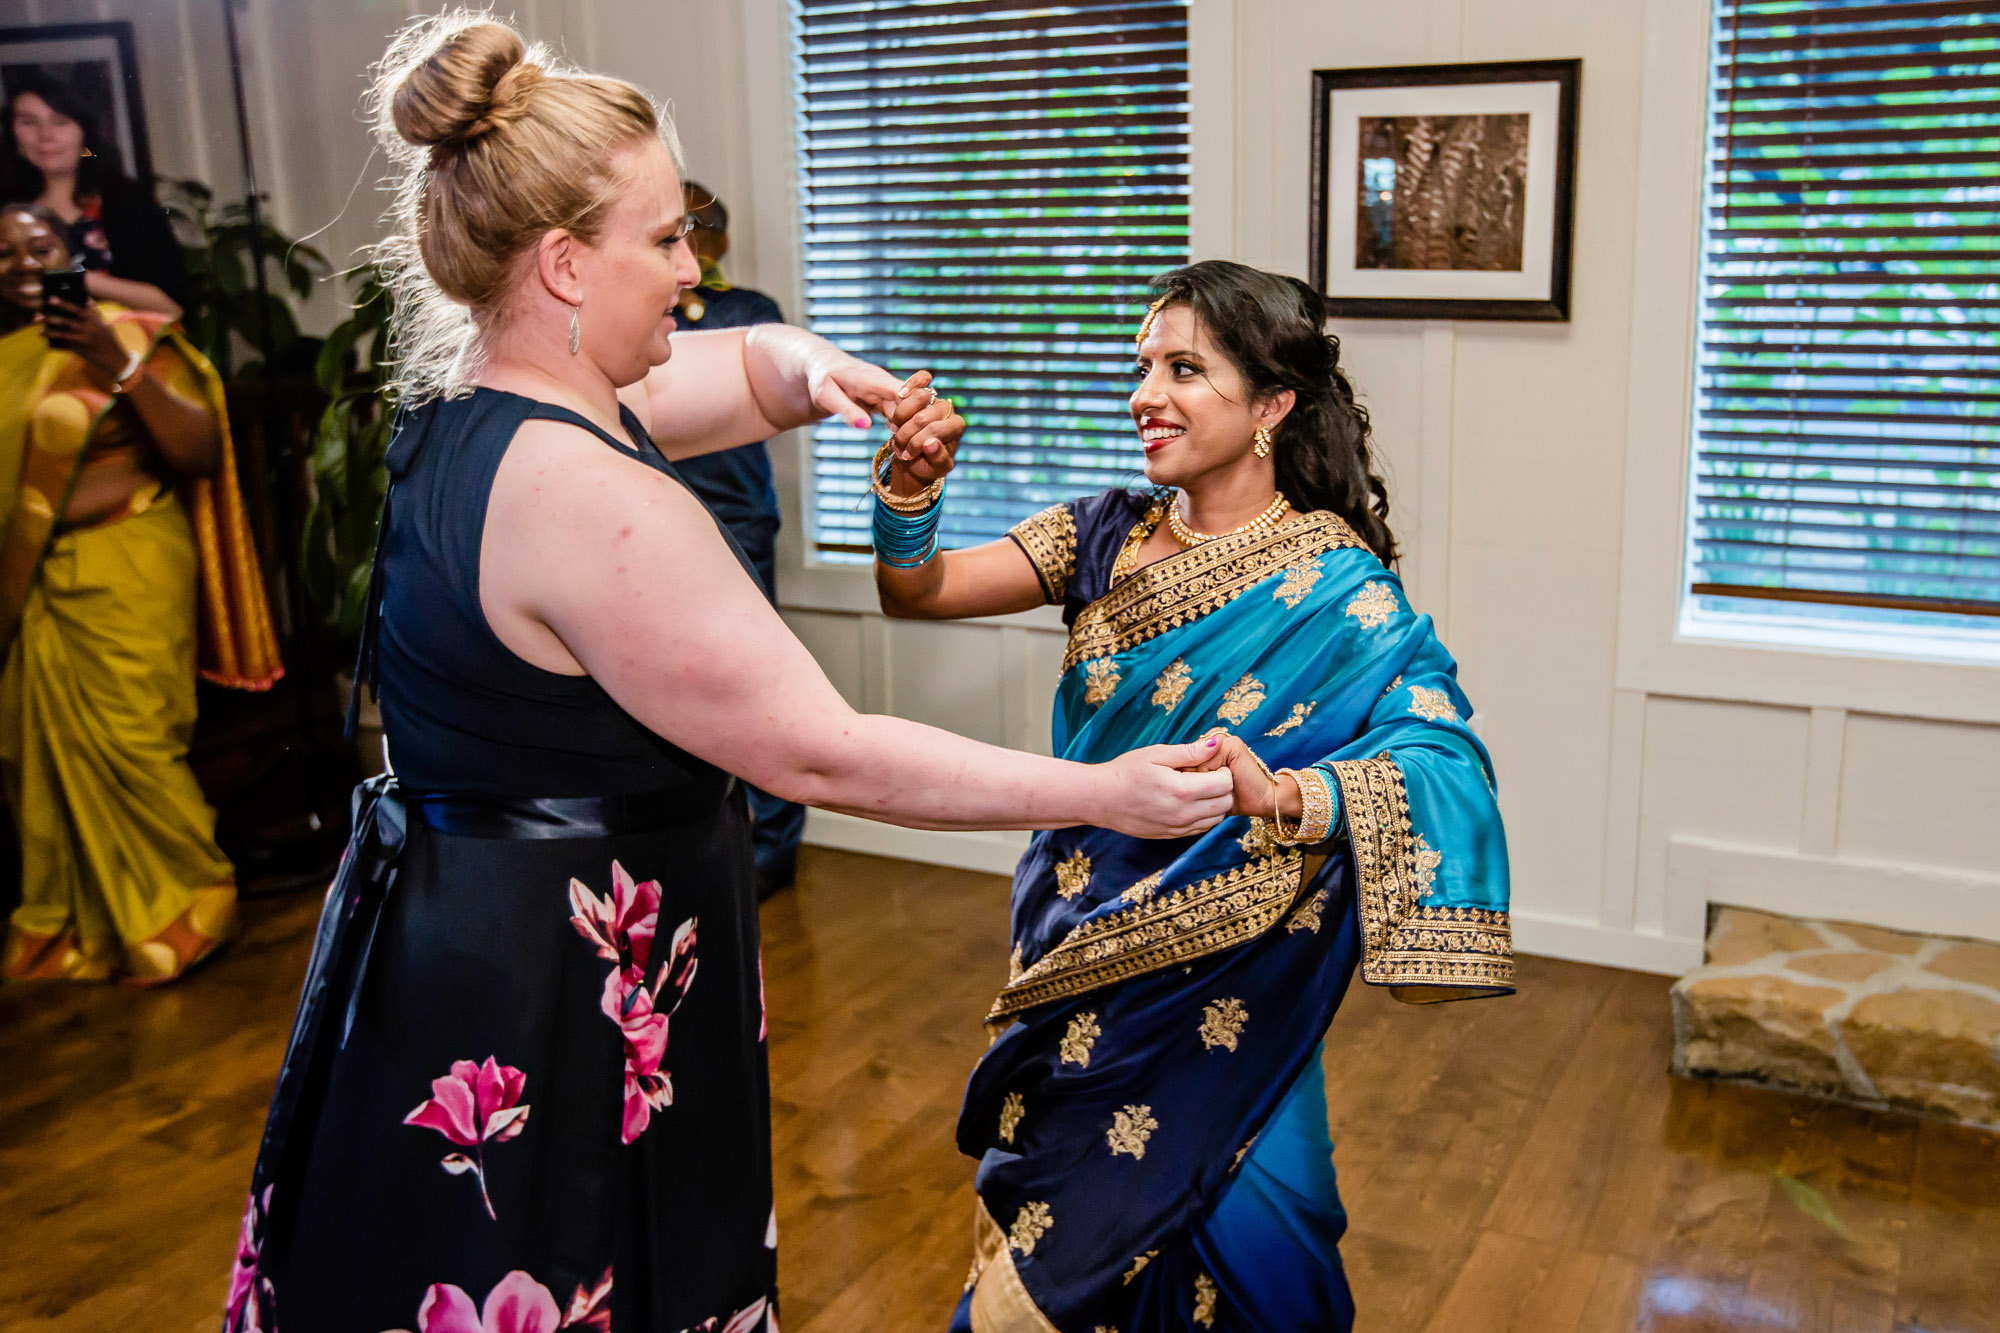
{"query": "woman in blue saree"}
[(1151, 1119)]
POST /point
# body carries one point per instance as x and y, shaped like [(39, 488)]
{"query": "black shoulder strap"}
[(552, 412)]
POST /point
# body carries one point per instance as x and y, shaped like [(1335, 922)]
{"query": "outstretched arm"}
[(629, 576), (728, 387)]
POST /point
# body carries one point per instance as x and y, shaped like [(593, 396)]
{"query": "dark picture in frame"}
[(99, 62), (1445, 191)]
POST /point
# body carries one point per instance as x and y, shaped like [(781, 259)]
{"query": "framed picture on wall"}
[(96, 63), (1445, 191)]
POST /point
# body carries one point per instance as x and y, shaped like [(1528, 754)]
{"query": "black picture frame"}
[(108, 43), (1554, 303)]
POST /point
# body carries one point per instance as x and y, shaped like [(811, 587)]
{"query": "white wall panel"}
[(948, 676), (1921, 793), (835, 642), (1735, 772)]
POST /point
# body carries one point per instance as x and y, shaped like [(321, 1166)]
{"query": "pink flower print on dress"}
[(746, 1320), (622, 927), (592, 1308), (472, 1106), (252, 1302), (635, 1008), (517, 1304)]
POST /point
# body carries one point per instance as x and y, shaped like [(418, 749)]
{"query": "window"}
[(986, 187), (1847, 414)]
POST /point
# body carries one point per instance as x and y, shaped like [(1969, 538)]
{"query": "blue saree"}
[(1151, 1120)]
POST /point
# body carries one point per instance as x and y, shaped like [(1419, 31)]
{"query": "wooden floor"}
[(1516, 1165)]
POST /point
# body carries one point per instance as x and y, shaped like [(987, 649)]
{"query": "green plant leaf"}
[(1813, 1204), (336, 357)]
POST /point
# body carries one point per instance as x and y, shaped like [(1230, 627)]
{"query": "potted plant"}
[(222, 288), (337, 547)]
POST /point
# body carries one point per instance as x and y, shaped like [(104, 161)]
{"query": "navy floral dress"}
[(526, 1089)]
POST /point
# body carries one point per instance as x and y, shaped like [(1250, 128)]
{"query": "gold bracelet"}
[(902, 504), (1315, 806), (1278, 815)]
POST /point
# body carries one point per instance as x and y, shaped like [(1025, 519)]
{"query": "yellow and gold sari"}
[(103, 627)]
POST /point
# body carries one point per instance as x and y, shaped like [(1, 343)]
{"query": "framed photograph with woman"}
[(100, 62), (1445, 191)]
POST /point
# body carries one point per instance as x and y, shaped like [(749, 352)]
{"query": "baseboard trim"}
[(996, 853)]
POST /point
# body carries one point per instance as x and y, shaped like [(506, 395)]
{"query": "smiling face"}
[(28, 249), (51, 142), (634, 272), (1195, 413)]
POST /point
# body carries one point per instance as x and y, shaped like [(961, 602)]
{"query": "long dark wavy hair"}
[(1273, 330), (97, 176)]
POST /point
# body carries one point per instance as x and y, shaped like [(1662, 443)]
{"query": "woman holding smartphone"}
[(119, 501)]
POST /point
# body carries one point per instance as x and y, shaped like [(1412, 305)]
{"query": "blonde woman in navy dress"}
[(527, 1088)]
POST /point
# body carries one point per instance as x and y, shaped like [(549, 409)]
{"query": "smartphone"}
[(65, 285)]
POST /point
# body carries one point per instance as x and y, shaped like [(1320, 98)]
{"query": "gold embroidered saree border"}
[(1048, 539), (1185, 587), (1000, 1300), (1439, 952), (1203, 918)]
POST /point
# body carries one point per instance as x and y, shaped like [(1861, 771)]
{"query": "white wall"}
[(1536, 470)]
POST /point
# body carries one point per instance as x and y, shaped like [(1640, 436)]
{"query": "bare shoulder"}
[(557, 475)]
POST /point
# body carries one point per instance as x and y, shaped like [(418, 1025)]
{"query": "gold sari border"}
[(1000, 1300), (1423, 953), (1185, 587), (1048, 539), (1206, 917)]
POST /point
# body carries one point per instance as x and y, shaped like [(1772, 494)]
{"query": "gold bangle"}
[(1316, 806), (1277, 813), (902, 504)]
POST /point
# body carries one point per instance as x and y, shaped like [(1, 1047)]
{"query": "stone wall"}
[(1880, 1017)]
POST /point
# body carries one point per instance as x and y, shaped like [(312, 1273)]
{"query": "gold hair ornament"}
[(1147, 323)]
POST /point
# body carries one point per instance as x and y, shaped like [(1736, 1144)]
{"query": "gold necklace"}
[(1187, 536)]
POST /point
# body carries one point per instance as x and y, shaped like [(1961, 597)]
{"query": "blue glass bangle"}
[(904, 541)]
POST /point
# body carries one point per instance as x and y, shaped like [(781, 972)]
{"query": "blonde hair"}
[(494, 144)]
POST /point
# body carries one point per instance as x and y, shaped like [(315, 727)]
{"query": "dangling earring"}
[(1262, 442), (575, 333)]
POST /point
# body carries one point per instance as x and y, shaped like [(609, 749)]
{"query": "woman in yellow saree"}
[(121, 516)]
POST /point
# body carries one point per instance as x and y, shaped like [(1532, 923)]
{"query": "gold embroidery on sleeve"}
[(1130, 1128), (1145, 888), (1300, 712), (1394, 685), (1073, 874), (1204, 1300), (1011, 1112), (1100, 681), (1433, 704), (1242, 1152), (1434, 952), (1172, 685), (1373, 605), (1076, 1043), (1245, 697), (1139, 1262), (1014, 968), (1424, 865), (1048, 539), (1222, 1023), (1030, 1225), (1297, 583)]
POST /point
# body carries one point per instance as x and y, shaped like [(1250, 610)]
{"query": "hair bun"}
[(474, 82)]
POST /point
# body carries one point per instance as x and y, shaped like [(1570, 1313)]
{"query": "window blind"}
[(986, 186), (1848, 391)]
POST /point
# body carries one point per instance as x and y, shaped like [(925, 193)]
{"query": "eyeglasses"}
[(682, 232)]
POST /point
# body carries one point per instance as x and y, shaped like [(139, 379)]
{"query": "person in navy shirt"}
[(736, 485)]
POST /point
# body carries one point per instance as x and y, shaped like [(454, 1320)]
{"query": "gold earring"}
[(1261, 442), (575, 333)]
